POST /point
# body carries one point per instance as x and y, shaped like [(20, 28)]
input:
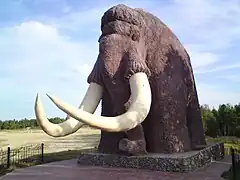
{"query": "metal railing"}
[(21, 156), (235, 153)]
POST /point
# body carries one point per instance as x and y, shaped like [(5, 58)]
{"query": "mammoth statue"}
[(144, 79)]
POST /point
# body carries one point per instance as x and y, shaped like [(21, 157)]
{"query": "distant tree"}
[(223, 121), (209, 121), (24, 123)]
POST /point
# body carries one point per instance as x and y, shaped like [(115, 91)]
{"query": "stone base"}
[(177, 162)]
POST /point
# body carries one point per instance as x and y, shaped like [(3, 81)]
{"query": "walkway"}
[(71, 171)]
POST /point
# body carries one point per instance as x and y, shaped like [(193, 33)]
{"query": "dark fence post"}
[(8, 157), (42, 152), (233, 164)]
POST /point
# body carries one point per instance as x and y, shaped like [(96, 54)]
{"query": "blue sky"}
[(50, 46)]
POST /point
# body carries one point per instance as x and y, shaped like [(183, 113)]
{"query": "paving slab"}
[(70, 170)]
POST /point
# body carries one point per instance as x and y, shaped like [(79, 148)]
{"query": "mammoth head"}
[(121, 42)]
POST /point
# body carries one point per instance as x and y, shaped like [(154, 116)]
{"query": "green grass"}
[(64, 155), (225, 139), (229, 141)]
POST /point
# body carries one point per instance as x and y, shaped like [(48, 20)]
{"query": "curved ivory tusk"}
[(71, 125), (137, 112)]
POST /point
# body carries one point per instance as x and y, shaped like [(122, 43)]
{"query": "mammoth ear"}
[(95, 75)]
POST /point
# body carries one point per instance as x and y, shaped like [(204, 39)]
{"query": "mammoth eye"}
[(135, 37)]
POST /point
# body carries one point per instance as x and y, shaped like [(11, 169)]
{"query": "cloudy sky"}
[(49, 46)]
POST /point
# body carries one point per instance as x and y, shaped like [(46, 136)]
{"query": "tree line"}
[(24, 123), (221, 121)]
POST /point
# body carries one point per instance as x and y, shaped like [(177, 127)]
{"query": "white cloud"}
[(234, 78), (213, 27), (218, 68), (208, 27), (201, 59), (33, 48), (84, 69), (37, 58), (214, 95), (86, 21)]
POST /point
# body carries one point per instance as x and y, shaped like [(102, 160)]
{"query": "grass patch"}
[(225, 139), (64, 155), (229, 141)]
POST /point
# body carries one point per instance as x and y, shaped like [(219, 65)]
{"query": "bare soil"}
[(84, 138)]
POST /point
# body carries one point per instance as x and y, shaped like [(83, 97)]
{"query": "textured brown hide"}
[(134, 41)]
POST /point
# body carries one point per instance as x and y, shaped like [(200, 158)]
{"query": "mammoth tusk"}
[(137, 112), (71, 125)]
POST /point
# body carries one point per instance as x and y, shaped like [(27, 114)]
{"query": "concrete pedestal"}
[(177, 162)]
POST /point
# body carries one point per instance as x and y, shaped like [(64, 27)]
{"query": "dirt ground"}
[(84, 138)]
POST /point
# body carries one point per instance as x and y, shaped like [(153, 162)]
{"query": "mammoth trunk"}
[(118, 61)]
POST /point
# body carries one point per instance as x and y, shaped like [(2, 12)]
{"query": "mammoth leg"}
[(135, 143), (194, 120), (109, 140)]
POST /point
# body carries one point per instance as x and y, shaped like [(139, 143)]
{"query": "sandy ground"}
[(84, 138)]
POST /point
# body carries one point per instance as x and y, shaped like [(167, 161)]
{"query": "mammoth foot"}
[(136, 147)]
